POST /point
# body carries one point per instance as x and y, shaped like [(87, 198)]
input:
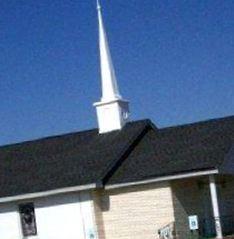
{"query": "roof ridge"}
[(116, 163)]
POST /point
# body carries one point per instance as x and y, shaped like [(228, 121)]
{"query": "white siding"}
[(9, 222), (57, 217)]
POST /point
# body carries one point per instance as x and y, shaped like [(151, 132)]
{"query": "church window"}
[(28, 220)]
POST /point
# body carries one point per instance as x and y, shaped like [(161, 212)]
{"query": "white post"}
[(215, 205)]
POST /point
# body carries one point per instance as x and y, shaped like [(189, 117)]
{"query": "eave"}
[(164, 178)]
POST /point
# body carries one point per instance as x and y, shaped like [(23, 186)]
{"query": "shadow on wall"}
[(8, 208), (190, 197)]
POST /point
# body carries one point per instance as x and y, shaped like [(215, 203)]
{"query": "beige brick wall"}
[(138, 212), (134, 212)]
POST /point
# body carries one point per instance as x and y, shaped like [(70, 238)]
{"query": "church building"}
[(124, 180)]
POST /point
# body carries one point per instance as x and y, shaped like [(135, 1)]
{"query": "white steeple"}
[(112, 110)]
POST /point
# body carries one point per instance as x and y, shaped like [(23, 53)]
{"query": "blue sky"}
[(174, 62)]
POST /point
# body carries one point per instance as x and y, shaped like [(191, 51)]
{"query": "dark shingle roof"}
[(174, 150), (139, 151), (63, 161)]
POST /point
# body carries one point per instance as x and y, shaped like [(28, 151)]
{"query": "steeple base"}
[(112, 115)]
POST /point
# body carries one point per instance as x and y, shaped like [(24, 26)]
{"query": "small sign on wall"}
[(193, 222)]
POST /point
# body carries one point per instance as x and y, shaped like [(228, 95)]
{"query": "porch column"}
[(215, 205)]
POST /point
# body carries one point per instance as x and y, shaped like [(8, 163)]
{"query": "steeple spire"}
[(112, 110), (110, 89), (98, 5)]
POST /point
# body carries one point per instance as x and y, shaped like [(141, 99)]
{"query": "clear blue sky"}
[(174, 62)]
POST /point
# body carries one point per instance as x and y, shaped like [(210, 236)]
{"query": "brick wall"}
[(138, 212), (134, 212)]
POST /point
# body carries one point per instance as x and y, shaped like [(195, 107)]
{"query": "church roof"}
[(139, 151), (175, 150), (63, 161)]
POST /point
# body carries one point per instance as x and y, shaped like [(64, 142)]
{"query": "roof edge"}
[(202, 121), (48, 193), (164, 178)]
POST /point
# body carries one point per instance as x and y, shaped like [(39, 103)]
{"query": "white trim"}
[(100, 103), (164, 178), (215, 207), (93, 186), (47, 193)]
